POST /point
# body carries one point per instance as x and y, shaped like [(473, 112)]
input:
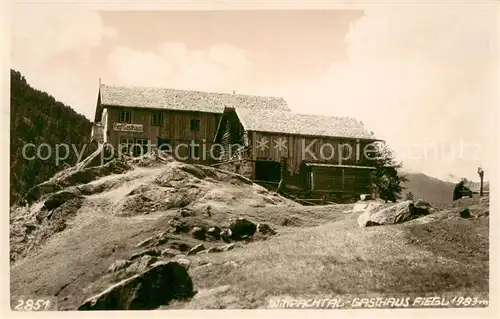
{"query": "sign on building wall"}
[(125, 127)]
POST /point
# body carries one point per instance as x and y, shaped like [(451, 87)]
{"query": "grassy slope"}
[(340, 258), (321, 250)]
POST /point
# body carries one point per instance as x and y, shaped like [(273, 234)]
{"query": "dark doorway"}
[(267, 171)]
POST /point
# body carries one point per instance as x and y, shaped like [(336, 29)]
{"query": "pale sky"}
[(424, 78)]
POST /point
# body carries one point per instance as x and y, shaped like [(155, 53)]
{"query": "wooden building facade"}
[(318, 153), (135, 120)]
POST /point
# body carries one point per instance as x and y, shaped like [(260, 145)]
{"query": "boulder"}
[(242, 227), (214, 232), (185, 212), (363, 206), (157, 286), (465, 213), (198, 233), (420, 203), (196, 249), (60, 198), (178, 245), (225, 235), (265, 229), (394, 214), (178, 225)]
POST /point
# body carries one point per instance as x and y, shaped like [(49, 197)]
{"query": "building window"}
[(141, 146), (124, 117), (195, 125), (126, 145), (157, 119), (164, 144)]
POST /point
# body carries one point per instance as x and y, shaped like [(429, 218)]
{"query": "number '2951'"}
[(33, 304)]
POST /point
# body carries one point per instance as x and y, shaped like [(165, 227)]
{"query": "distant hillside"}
[(37, 118), (429, 188)]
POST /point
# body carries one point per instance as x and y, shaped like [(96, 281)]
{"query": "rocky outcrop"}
[(394, 214), (57, 199), (163, 282)]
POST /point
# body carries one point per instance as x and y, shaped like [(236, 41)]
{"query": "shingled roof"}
[(185, 100), (276, 121)]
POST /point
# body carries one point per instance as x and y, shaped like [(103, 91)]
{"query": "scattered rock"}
[(156, 286), (225, 235), (215, 249), (119, 265), (179, 226), (169, 252), (150, 252), (198, 233), (208, 211), (179, 246), (242, 227), (185, 212), (214, 232), (228, 247), (265, 229), (465, 213), (195, 249)]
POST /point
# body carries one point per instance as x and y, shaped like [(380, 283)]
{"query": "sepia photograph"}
[(217, 157)]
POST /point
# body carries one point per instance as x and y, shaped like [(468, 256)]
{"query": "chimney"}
[(234, 91), (99, 81)]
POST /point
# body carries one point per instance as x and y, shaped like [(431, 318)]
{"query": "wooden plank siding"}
[(308, 149), (333, 179), (175, 127)]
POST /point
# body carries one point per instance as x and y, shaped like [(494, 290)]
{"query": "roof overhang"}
[(309, 164)]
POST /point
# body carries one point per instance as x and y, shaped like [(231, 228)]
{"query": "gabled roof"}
[(275, 121), (184, 100)]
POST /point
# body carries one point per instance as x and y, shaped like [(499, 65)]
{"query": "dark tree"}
[(36, 117), (386, 178)]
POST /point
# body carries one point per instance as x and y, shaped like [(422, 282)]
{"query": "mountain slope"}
[(431, 189), (37, 118), (434, 190)]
